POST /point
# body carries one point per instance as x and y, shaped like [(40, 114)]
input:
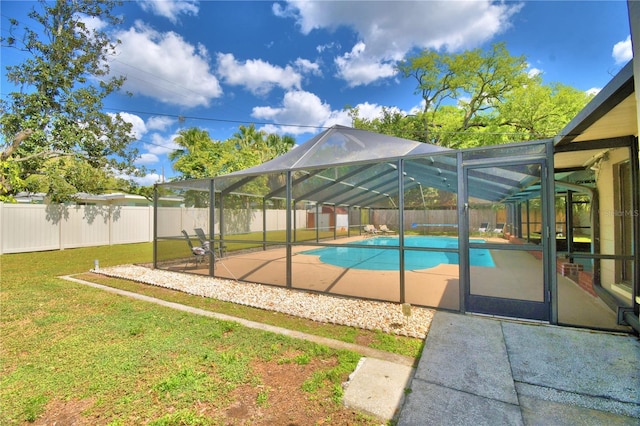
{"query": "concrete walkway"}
[(482, 371)]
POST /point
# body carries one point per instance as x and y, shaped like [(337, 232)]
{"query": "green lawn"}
[(125, 361)]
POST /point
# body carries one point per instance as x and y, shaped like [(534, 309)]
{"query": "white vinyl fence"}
[(172, 220), (39, 227)]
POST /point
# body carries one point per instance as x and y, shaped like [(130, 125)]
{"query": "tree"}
[(54, 122), (475, 81), (477, 98), (540, 111), (198, 157), (201, 157), (279, 145), (474, 99), (392, 122)]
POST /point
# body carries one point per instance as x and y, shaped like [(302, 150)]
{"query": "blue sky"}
[(292, 67)]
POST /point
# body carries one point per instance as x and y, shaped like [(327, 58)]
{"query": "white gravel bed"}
[(365, 314)]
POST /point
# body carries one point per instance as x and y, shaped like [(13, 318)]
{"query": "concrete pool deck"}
[(516, 274)]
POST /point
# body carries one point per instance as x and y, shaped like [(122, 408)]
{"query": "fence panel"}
[(195, 217), (433, 216), (39, 227), (30, 228), (131, 224), (84, 226), (169, 222)]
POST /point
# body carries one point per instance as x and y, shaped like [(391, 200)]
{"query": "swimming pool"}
[(374, 259)]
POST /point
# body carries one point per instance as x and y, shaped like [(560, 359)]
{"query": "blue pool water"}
[(346, 256)]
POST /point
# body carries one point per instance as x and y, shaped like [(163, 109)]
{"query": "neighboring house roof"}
[(30, 197), (84, 197)]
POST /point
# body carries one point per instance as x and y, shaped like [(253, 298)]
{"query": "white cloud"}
[(170, 9), (339, 117), (373, 111), (389, 32), (533, 72), (138, 128), (308, 110), (328, 46), (152, 150), (93, 23), (159, 123), (165, 67), (147, 180), (358, 69), (594, 91), (147, 158), (307, 67), (622, 51), (161, 145), (155, 146), (255, 75), (303, 108)]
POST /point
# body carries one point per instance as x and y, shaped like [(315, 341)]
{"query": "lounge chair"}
[(499, 229), (198, 252), (483, 227), (370, 230), (385, 230), (204, 242)]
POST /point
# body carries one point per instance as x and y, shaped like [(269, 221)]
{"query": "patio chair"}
[(385, 230), (483, 227), (370, 230), (499, 229), (221, 249), (198, 252), (204, 243), (201, 236)]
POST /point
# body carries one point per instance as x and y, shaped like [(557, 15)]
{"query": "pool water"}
[(388, 259)]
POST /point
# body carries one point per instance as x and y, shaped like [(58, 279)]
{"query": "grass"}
[(131, 362), (375, 339)]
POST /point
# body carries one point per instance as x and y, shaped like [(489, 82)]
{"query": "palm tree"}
[(279, 145), (198, 155)]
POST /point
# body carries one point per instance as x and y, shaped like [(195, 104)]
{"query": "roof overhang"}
[(605, 123)]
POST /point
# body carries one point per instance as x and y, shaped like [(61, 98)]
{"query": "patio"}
[(515, 275)]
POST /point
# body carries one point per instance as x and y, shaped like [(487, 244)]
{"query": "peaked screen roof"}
[(345, 166), (342, 145)]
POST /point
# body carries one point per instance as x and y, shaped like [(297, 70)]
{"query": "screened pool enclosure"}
[(358, 214)]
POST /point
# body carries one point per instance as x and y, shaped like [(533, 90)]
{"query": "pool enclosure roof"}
[(346, 166)]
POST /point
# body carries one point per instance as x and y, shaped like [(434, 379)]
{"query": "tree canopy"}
[(202, 157), (56, 137), (478, 98)]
